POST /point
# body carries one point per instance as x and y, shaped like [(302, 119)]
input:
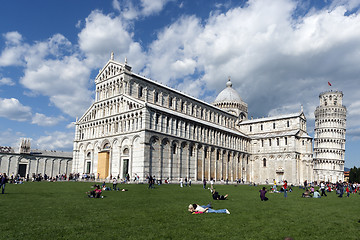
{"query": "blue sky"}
[(280, 55)]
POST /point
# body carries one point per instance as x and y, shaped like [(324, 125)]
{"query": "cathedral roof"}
[(228, 94)]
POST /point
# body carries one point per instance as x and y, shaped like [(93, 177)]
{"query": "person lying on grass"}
[(197, 209), (216, 196)]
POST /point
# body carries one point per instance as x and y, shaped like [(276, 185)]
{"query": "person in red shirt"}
[(347, 191), (285, 189)]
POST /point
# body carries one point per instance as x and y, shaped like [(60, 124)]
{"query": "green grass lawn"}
[(63, 211)]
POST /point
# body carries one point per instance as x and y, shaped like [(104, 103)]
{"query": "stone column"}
[(45, 162), (196, 159), (178, 155), (131, 160), (203, 164), (52, 168), (222, 163), (188, 161), (209, 170), (8, 168)]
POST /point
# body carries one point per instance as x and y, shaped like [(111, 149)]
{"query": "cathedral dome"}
[(228, 94)]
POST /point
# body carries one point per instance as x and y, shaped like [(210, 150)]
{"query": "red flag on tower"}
[(329, 84)]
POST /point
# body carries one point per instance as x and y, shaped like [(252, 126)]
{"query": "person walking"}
[(322, 187), (181, 182), (189, 182), (3, 181), (204, 183), (340, 188)]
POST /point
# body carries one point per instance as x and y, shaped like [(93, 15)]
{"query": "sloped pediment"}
[(113, 106)]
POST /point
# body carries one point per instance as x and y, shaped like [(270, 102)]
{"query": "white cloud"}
[(12, 109), (171, 56), (6, 81), (14, 50), (55, 141), (151, 7), (272, 58), (129, 10), (12, 38), (10, 138), (103, 34), (116, 5), (42, 120)]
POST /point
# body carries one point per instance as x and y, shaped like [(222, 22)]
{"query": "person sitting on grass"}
[(197, 209), (96, 193), (216, 196), (306, 194), (263, 191), (316, 194)]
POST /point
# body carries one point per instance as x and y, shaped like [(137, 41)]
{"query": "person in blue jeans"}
[(3, 181), (195, 208)]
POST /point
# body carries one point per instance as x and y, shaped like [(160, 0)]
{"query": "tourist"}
[(263, 191), (204, 183), (340, 188), (189, 182), (347, 191), (322, 187), (306, 194), (285, 189), (95, 193), (3, 181), (197, 209), (181, 182), (274, 187), (151, 182), (216, 196), (114, 183), (186, 181), (316, 194), (305, 184), (211, 183)]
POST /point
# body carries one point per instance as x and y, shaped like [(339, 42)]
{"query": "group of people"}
[(186, 182)]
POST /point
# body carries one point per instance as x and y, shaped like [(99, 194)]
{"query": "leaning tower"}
[(329, 140)]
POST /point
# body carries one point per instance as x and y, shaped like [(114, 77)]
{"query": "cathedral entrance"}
[(125, 168), (22, 170), (103, 164)]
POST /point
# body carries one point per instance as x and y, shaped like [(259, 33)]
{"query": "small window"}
[(273, 125), (250, 128), (170, 101), (174, 149), (140, 91), (262, 143), (270, 142), (286, 141), (288, 123), (262, 127), (303, 142), (156, 98), (277, 141), (264, 162)]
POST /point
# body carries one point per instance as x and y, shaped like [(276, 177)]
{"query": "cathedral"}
[(139, 127)]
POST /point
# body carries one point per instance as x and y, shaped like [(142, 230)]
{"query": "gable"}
[(111, 69), (110, 107)]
